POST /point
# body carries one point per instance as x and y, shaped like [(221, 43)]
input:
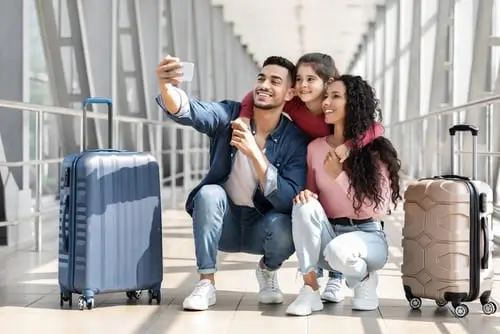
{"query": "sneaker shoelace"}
[(269, 279), (333, 284), (200, 289), (363, 290)]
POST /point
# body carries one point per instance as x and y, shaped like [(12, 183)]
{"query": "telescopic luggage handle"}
[(85, 104), (484, 222), (464, 128), (474, 132)]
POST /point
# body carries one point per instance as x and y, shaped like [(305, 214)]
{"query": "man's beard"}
[(264, 106)]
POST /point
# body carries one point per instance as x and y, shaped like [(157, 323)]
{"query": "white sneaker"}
[(202, 297), (333, 291), (307, 301), (269, 290), (365, 295)]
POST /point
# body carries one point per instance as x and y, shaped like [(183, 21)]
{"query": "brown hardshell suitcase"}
[(447, 238)]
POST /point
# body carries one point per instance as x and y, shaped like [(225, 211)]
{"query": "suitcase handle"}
[(452, 176), (85, 104), (474, 131), (486, 243), (65, 235), (464, 128)]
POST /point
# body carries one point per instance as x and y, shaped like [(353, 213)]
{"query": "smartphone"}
[(188, 70)]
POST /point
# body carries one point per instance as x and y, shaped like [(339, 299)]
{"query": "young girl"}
[(313, 70)]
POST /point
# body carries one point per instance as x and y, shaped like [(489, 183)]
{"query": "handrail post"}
[(173, 163), (140, 136), (39, 179), (159, 148), (438, 145), (489, 143)]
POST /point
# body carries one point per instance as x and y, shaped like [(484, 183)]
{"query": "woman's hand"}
[(342, 152), (332, 164), (304, 196)]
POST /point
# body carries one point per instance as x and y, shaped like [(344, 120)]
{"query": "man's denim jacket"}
[(286, 149)]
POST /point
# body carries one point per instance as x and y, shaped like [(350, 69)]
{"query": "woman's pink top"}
[(333, 194)]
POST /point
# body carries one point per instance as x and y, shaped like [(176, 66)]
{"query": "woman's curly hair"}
[(362, 110)]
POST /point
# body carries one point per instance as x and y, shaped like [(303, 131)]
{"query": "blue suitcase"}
[(110, 225)]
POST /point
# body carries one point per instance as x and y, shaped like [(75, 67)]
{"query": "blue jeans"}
[(218, 224), (353, 250), (331, 274)]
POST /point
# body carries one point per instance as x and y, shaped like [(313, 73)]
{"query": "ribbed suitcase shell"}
[(110, 229), (443, 243)]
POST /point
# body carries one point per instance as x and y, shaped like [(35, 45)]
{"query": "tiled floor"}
[(29, 299)]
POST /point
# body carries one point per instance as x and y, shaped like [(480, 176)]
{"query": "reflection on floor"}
[(29, 299)]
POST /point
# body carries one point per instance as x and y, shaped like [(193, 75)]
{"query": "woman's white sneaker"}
[(307, 301), (202, 297), (365, 295), (333, 291)]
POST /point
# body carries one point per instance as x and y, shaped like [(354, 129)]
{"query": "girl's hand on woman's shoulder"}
[(245, 120)]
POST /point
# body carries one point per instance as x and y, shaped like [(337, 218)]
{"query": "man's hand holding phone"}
[(171, 71)]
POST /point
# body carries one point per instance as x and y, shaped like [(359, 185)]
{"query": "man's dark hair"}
[(283, 62)]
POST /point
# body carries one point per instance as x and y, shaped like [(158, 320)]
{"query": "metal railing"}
[(197, 156), (423, 142), (421, 155)]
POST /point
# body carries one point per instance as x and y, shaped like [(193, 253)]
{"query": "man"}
[(244, 203)]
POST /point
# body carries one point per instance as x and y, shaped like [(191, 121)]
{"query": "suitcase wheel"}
[(134, 295), (461, 310), (441, 302), (489, 308), (154, 294), (415, 303), (85, 303), (66, 297)]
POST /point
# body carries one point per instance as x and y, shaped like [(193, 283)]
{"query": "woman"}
[(336, 219), (313, 72)]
